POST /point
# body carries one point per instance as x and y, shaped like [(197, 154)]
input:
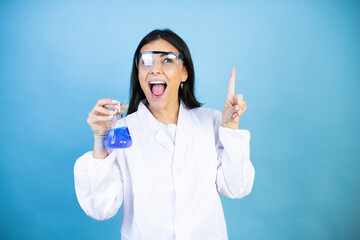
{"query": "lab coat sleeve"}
[(98, 185), (235, 172)]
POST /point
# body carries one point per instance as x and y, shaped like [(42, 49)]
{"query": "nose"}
[(156, 68)]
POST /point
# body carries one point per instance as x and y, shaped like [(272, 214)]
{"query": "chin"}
[(156, 104)]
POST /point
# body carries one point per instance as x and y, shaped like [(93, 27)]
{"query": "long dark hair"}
[(187, 93)]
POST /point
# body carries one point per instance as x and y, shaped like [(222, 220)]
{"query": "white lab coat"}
[(168, 191)]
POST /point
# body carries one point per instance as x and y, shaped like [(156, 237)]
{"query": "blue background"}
[(297, 65)]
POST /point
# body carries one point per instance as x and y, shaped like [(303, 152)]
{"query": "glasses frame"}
[(137, 57)]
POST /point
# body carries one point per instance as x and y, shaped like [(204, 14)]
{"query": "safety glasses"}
[(167, 60)]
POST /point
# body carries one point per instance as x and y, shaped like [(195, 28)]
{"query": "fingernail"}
[(236, 108), (239, 112), (234, 115), (113, 112), (236, 118)]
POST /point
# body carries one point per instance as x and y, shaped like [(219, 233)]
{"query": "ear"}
[(184, 75)]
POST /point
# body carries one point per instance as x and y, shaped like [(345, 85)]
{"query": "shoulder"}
[(212, 116), (129, 119), (131, 116), (206, 120), (205, 112)]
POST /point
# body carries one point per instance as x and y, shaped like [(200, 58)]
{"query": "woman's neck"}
[(167, 115)]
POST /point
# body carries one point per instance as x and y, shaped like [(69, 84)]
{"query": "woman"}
[(182, 155)]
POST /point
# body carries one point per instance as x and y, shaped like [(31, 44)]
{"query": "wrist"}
[(99, 136), (100, 150), (231, 125)]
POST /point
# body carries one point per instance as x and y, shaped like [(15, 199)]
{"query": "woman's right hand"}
[(100, 116)]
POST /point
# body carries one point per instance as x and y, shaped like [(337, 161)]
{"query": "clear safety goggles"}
[(167, 60)]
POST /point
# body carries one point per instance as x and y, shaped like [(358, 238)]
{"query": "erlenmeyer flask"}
[(118, 137)]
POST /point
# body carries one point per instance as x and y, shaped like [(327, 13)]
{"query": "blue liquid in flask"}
[(118, 138)]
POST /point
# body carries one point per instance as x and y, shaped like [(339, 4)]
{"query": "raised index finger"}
[(231, 87)]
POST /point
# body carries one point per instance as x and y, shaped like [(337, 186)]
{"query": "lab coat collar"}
[(149, 122), (153, 129)]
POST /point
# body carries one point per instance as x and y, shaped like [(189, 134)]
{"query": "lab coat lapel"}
[(165, 141), (152, 127), (183, 131)]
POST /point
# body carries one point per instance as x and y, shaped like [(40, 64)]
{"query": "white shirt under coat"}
[(168, 191)]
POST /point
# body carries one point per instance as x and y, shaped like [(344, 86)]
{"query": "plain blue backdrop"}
[(298, 66)]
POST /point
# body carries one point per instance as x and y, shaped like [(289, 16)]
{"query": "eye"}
[(168, 60), (146, 60)]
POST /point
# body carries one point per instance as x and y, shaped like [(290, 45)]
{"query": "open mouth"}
[(157, 88)]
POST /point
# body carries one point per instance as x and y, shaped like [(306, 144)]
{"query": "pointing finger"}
[(231, 87)]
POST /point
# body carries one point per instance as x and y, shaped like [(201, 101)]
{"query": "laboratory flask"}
[(118, 137)]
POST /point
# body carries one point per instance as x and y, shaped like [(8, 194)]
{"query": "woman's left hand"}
[(234, 106)]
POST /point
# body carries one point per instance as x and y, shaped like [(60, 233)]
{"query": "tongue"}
[(158, 89)]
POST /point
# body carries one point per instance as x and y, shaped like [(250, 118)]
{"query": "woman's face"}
[(161, 86)]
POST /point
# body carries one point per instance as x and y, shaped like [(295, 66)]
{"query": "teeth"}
[(157, 82)]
